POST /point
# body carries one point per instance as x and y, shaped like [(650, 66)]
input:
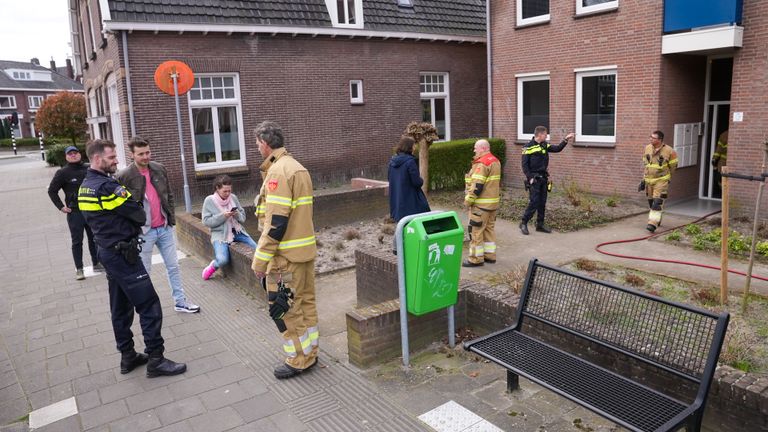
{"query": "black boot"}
[(524, 228), (284, 371), (131, 360), (161, 366), (543, 228)]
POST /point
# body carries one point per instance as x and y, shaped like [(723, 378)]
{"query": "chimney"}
[(70, 70), (53, 65), (35, 61)]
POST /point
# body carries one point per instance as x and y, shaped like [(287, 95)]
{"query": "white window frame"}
[(522, 78), (214, 104), (115, 122), (359, 99), (528, 21), (591, 72), (30, 104), (21, 75), (342, 22), (583, 10), (445, 94), (12, 100)]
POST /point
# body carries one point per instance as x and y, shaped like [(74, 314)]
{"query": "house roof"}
[(454, 17), (59, 82)]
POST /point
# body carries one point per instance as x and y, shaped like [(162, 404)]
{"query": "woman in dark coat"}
[(405, 194)]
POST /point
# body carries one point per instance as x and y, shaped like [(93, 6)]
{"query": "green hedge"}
[(450, 160), (55, 154), (26, 142)]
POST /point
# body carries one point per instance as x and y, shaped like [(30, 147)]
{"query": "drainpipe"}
[(128, 85), (489, 65)]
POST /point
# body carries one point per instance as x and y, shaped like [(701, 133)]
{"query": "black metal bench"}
[(598, 344)]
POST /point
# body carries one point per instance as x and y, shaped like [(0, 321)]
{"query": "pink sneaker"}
[(209, 271)]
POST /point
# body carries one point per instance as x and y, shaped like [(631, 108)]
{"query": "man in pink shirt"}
[(147, 181)]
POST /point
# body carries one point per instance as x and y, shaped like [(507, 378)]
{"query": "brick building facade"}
[(24, 87), (343, 91), (613, 71)]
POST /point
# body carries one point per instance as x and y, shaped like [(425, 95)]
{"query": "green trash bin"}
[(432, 254)]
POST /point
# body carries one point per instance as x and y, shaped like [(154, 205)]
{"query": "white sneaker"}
[(186, 307)]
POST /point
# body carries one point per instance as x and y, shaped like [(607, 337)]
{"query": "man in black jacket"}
[(535, 163), (69, 178)]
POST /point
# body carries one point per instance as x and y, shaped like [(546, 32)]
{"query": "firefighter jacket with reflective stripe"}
[(107, 209), (535, 159), (284, 209), (720, 156), (483, 182), (659, 163)]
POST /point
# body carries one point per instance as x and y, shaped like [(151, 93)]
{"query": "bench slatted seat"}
[(674, 339)]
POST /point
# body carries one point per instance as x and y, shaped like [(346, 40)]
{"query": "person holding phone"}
[(223, 214)]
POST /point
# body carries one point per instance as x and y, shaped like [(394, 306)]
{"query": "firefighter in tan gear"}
[(482, 198), (285, 257), (720, 156), (660, 162)]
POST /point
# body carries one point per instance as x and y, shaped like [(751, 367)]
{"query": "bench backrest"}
[(678, 338)]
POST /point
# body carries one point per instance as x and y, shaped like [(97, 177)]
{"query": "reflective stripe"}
[(289, 348), (672, 162), (85, 198), (290, 244), (490, 247), (263, 256), (534, 149), (467, 180), (654, 216), (494, 177), (261, 209), (469, 199), (280, 200), (314, 335), (657, 179), (88, 206), (306, 343), (476, 251), (487, 200), (305, 200), (479, 177), (113, 203)]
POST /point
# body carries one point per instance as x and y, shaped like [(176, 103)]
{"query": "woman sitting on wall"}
[(223, 214)]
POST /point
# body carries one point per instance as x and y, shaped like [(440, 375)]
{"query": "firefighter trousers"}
[(482, 235), (300, 339), (657, 194)]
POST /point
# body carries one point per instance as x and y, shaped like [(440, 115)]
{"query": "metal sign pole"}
[(401, 288), (187, 197)]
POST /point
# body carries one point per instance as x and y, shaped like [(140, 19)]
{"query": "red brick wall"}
[(748, 95), (650, 91), (302, 83)]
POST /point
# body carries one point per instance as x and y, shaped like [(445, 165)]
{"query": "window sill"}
[(213, 172), (534, 24), (594, 144), (598, 12), (357, 103)]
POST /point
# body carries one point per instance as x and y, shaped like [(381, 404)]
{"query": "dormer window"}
[(22, 75), (345, 13)]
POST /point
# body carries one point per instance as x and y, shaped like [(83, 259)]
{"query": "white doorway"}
[(717, 109), (114, 121)]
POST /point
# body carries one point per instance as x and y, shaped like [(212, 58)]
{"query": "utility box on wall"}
[(686, 143)]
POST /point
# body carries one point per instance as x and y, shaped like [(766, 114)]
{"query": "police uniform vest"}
[(107, 209), (535, 160)]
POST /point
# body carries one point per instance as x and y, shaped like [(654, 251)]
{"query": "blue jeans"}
[(164, 238), (221, 249)]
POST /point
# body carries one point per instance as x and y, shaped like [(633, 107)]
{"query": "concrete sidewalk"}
[(56, 343)]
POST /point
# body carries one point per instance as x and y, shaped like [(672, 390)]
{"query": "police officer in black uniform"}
[(116, 222), (535, 162), (69, 179)]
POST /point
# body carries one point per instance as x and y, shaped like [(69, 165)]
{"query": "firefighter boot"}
[(131, 360), (284, 371), (524, 228), (161, 366)]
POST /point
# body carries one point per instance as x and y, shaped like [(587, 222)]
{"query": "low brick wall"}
[(737, 401)]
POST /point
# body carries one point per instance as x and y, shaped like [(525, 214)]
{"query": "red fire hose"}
[(688, 263)]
